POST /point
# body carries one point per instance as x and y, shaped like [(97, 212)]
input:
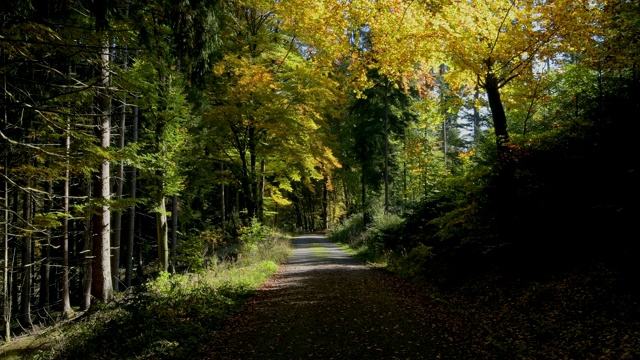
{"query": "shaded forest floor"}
[(325, 305)]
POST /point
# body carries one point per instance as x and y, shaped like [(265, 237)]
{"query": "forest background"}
[(447, 140)]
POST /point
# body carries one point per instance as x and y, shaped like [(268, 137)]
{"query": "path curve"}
[(323, 304)]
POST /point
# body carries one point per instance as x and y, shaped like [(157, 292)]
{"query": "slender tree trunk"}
[(174, 229), (88, 258), (248, 183), (261, 191), (15, 284), (252, 206), (347, 199), (476, 115), (386, 149), (117, 226), (325, 205), (132, 212), (404, 174), (138, 255), (45, 267), (222, 199), (66, 301), (445, 145), (102, 285), (162, 233), (27, 265), (364, 199), (6, 299)]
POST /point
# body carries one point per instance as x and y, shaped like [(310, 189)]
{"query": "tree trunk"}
[(404, 173), (476, 116), (88, 258), (102, 285), (15, 284), (222, 199), (364, 199), (132, 213), (260, 196), (66, 302), (325, 205), (174, 229), (386, 149), (46, 259), (6, 300), (253, 176), (162, 233), (27, 265), (497, 111), (117, 226)]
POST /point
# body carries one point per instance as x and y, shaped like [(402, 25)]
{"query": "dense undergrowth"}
[(170, 316), (533, 250)]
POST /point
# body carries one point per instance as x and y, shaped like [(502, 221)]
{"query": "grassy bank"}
[(167, 318)]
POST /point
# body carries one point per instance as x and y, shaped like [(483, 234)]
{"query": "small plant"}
[(252, 235)]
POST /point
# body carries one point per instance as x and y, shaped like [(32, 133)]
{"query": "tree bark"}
[(66, 302), (102, 285), (27, 265), (6, 300), (476, 116), (117, 226), (88, 258), (498, 114), (162, 233), (364, 199), (386, 149), (325, 205), (174, 229), (46, 259), (222, 199), (132, 212)]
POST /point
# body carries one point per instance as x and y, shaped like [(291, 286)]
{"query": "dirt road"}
[(324, 304)]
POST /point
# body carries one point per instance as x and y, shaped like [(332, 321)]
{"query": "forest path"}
[(323, 304)]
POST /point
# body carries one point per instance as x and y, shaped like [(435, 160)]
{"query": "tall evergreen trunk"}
[(45, 267), (117, 223), (15, 271), (66, 301), (87, 258), (222, 199), (386, 148), (364, 199), (6, 300), (162, 227), (132, 212), (174, 229), (162, 233), (404, 173), (27, 265), (102, 285)]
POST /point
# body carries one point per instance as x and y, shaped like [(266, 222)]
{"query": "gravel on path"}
[(323, 304)]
